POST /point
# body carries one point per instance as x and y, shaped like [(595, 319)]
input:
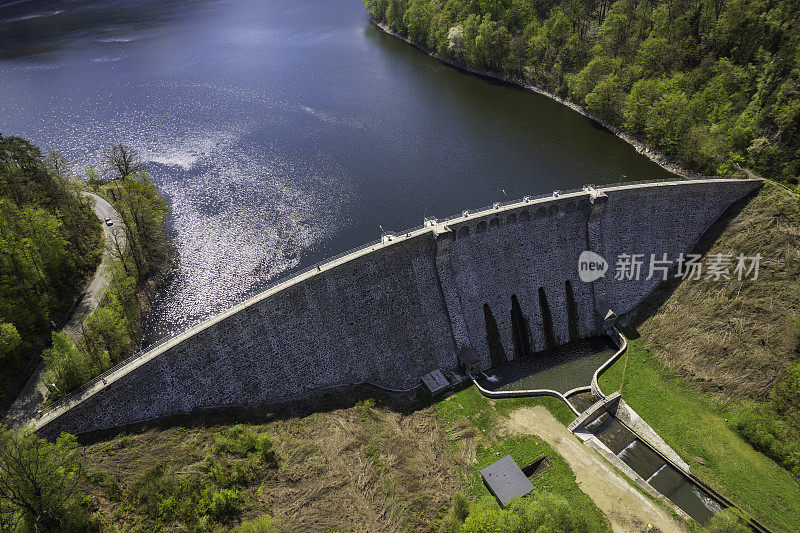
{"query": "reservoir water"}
[(282, 131)]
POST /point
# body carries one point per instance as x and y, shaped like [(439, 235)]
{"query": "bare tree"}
[(58, 166), (121, 161)]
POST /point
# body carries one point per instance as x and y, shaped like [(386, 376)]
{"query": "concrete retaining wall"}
[(390, 313)]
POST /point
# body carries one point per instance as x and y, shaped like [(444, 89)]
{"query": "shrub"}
[(227, 475), (242, 440), (201, 501), (726, 521), (786, 394), (537, 512), (166, 497), (262, 524), (365, 407), (220, 504), (774, 428), (9, 339), (768, 433)]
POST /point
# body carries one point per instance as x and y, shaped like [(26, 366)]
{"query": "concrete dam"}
[(395, 310)]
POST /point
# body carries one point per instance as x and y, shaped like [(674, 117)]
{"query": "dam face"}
[(393, 311)]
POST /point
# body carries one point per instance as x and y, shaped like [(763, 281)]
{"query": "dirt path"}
[(31, 397), (627, 509)]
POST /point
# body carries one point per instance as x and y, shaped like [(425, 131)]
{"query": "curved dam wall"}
[(393, 311)]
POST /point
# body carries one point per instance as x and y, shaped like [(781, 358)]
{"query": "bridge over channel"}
[(395, 309)]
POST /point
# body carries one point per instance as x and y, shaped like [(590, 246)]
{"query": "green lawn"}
[(469, 403), (467, 408), (695, 426)]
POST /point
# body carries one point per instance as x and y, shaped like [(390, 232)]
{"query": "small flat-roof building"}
[(468, 359), (506, 480), (435, 382)]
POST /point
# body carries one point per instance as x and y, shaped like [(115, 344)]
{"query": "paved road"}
[(24, 407), (90, 297)]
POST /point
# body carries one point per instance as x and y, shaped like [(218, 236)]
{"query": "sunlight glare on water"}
[(281, 131)]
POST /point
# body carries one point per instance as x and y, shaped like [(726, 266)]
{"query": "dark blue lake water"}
[(282, 131)]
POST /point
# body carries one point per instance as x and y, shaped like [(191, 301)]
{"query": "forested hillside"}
[(49, 241), (113, 330), (712, 83), (48, 237)]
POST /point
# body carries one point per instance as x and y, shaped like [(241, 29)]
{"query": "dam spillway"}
[(394, 310)]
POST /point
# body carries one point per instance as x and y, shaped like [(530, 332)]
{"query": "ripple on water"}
[(242, 212), (227, 252)]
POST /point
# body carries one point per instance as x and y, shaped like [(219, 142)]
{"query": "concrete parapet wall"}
[(393, 311)]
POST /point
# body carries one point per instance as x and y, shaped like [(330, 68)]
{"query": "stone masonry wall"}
[(379, 318), (532, 248), (668, 218), (384, 317)]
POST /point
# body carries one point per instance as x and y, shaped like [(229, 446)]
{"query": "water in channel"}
[(562, 368), (281, 131), (662, 476)]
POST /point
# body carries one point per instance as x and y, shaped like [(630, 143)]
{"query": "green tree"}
[(543, 511), (68, 367), (669, 120), (584, 82), (726, 521), (606, 99), (655, 56), (143, 211), (48, 238), (9, 339), (417, 20), (39, 482), (639, 101)]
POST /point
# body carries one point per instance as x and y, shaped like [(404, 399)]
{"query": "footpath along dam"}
[(392, 311)]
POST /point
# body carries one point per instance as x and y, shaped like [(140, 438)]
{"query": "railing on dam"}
[(77, 395)]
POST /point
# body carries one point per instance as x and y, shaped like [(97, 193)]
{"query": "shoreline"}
[(654, 155), (146, 294)]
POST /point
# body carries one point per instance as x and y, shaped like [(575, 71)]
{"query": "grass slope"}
[(735, 338), (694, 424), (472, 420), (362, 468), (368, 467)]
